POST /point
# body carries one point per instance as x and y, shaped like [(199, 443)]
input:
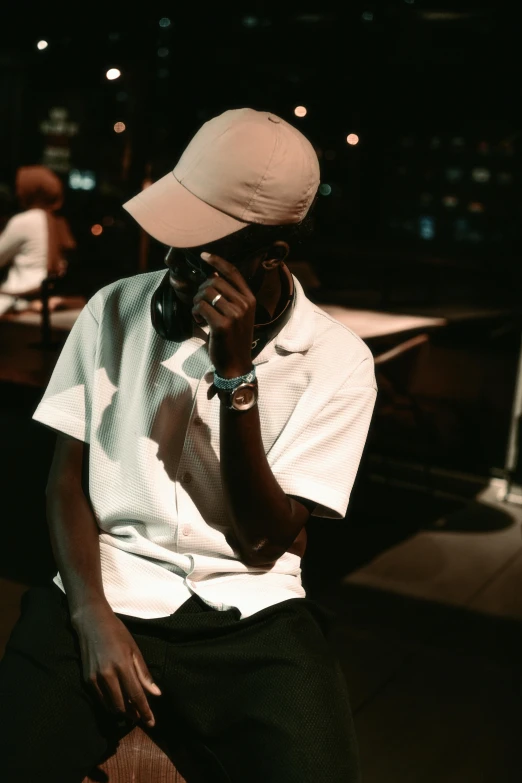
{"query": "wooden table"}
[(369, 324)]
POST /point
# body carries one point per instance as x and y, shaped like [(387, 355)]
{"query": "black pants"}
[(258, 700)]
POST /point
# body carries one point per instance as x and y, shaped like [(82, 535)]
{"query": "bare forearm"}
[(259, 509), (75, 542)]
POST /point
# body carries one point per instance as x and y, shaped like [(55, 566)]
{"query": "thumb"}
[(144, 675)]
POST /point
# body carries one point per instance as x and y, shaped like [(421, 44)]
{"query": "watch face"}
[(244, 398)]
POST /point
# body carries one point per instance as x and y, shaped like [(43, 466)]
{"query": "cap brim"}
[(171, 214)]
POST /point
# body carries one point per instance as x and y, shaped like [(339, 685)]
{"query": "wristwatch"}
[(241, 398)]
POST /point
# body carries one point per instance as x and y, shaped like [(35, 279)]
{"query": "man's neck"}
[(270, 293)]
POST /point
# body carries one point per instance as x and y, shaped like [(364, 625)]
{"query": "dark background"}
[(430, 88), (422, 216)]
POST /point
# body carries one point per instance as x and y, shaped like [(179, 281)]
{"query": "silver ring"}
[(213, 302)]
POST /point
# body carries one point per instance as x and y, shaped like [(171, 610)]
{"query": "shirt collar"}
[(298, 332)]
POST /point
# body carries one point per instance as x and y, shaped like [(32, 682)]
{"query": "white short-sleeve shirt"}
[(23, 245), (142, 404)]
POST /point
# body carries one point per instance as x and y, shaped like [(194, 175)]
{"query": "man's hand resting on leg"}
[(113, 664)]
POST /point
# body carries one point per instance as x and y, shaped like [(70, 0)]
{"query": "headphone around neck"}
[(173, 321)]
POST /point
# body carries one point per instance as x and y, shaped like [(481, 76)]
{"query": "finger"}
[(144, 676), (223, 307), (101, 696), (132, 712), (110, 687), (228, 271), (134, 693), (210, 314), (218, 285), (199, 319)]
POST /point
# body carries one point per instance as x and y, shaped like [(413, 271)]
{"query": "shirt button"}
[(186, 478), (185, 530), (198, 420)]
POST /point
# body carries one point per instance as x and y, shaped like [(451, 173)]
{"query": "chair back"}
[(138, 759)]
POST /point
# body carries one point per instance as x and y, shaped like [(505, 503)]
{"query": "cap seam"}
[(310, 173), (222, 211), (265, 173), (196, 162)]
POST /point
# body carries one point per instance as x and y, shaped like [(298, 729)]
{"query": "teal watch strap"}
[(227, 384)]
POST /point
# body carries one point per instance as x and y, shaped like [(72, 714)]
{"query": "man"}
[(203, 415)]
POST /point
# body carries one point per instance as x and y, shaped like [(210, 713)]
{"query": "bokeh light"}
[(164, 22), (352, 138), (300, 111), (42, 45), (119, 127), (82, 180), (113, 73), (480, 174), (96, 229), (163, 51), (325, 189), (450, 201), (426, 227)]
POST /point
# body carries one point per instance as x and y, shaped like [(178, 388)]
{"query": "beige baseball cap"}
[(244, 166)]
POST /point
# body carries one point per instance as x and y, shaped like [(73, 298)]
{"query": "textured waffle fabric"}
[(142, 404)]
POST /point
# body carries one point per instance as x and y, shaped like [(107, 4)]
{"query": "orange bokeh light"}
[(96, 229), (352, 138), (119, 127), (300, 111)]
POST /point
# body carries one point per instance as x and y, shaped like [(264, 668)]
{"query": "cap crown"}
[(253, 166)]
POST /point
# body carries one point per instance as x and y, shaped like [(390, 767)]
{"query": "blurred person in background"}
[(35, 242), (177, 505), (7, 204)]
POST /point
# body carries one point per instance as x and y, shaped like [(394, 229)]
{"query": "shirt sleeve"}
[(10, 243), (322, 461), (67, 401)]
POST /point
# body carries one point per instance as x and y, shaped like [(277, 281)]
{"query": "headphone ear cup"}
[(171, 320), (157, 309)]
